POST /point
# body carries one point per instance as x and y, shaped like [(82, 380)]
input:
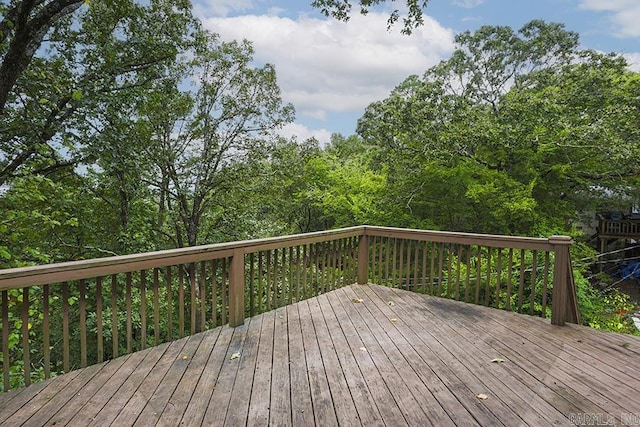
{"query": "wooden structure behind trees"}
[(60, 317)]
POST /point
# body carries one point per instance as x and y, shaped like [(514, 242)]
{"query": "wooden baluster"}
[(487, 289), (181, 300), (260, 278), (202, 295), (545, 284), (449, 272), (193, 304), (83, 324), (114, 316), (224, 283), (26, 355), (214, 293), (99, 325), (251, 285), (143, 309), (169, 305), (156, 306), (298, 272), (478, 273), (534, 279), (129, 314), (458, 263), (521, 282), (467, 282), (498, 278), (65, 327), (6, 362), (305, 263), (46, 333), (268, 282), (440, 267), (509, 280)]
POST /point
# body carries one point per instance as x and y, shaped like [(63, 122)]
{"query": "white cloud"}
[(325, 66), (467, 4), (624, 14), (303, 133), (221, 7), (634, 61)]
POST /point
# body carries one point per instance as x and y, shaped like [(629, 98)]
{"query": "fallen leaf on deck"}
[(185, 357), (391, 303), (482, 396), (363, 349), (356, 300), (394, 320), (235, 355), (497, 360)]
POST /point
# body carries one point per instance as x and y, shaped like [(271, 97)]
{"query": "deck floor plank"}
[(528, 353), (170, 373), (182, 395), (557, 373), (323, 409), (358, 355), (261, 391), (345, 407), (517, 396), (280, 410), (438, 383), (398, 376), (219, 405), (365, 405), (106, 391), (301, 404), (203, 391), (384, 399), (238, 410)]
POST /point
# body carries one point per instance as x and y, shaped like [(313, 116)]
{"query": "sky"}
[(331, 71)]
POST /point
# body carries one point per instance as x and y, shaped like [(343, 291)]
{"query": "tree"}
[(529, 119), (105, 48), (206, 151), (22, 30), (341, 10)]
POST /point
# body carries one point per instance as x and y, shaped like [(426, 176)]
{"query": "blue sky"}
[(330, 71)]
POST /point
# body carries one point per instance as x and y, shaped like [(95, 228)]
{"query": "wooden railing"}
[(56, 318), (619, 228)]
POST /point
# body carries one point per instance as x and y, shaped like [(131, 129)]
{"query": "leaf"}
[(185, 357), (482, 396), (394, 320), (235, 355), (497, 360), (391, 303), (363, 349), (356, 299)]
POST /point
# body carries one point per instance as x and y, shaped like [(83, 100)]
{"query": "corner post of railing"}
[(236, 288), (363, 258), (562, 283)]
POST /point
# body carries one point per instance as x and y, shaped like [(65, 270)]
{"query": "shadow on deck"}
[(360, 355)]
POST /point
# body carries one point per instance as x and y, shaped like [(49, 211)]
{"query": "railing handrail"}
[(14, 278), (492, 240)]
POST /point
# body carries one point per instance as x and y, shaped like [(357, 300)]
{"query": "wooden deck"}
[(360, 355)]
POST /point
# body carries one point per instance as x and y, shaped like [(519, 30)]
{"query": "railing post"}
[(562, 288), (363, 259), (236, 289)]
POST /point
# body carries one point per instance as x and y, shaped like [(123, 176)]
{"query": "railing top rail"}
[(491, 240), (76, 270)]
